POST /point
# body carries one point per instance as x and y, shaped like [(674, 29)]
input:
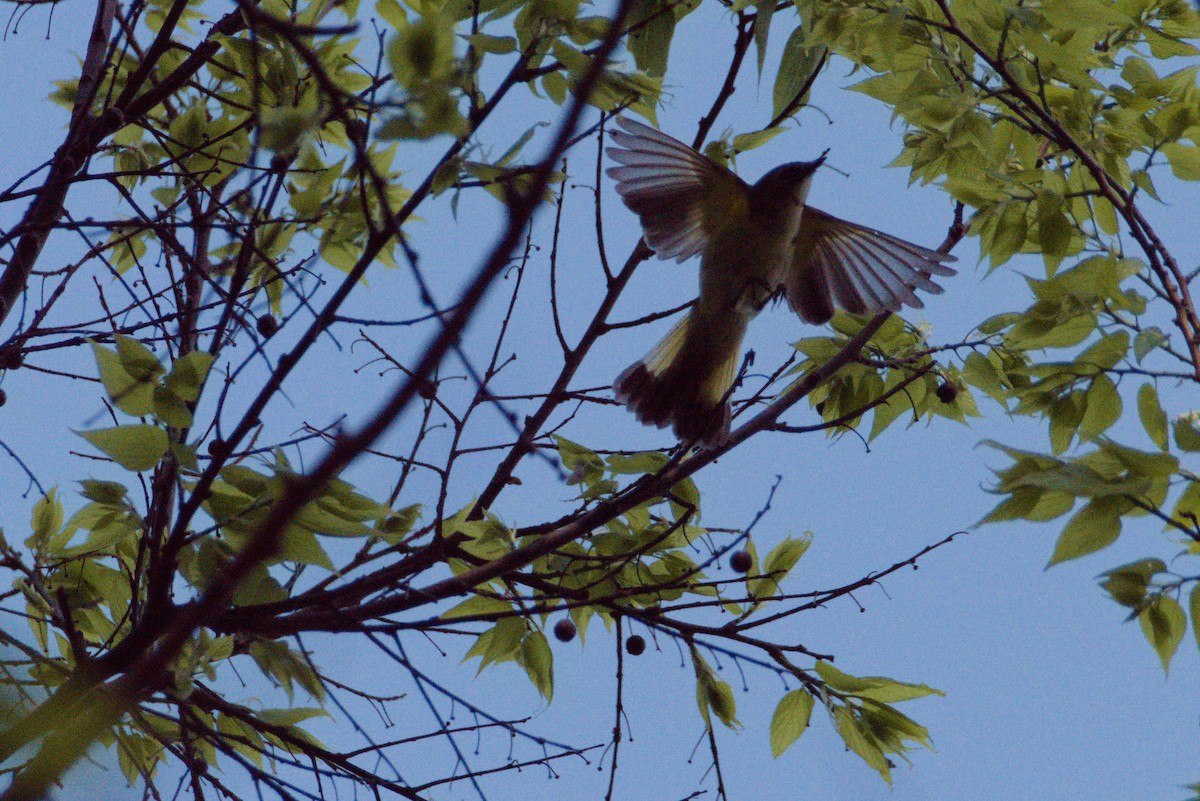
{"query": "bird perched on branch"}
[(755, 243)]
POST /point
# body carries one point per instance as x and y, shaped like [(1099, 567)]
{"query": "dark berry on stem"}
[(564, 630)]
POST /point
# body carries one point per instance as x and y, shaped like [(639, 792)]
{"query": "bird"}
[(756, 243)]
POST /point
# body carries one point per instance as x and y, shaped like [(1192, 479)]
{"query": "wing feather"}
[(886, 283), (858, 269), (671, 188)]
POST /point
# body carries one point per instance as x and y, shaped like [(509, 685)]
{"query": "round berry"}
[(741, 562), (11, 359), (947, 392), (218, 448), (3, 397), (564, 630), (356, 130), (267, 325), (635, 645)]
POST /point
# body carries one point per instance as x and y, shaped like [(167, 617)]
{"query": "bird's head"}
[(784, 188)]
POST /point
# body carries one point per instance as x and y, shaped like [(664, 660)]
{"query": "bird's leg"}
[(757, 293)]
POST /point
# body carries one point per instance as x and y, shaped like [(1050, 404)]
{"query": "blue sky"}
[(1048, 694)]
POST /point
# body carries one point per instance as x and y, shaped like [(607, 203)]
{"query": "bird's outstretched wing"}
[(682, 197), (859, 269)]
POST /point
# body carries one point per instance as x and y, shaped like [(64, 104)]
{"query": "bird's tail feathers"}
[(684, 382)]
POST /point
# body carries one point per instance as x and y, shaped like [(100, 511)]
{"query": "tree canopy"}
[(329, 284)]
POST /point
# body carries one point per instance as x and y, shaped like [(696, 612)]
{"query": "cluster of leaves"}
[(635, 568), (89, 575), (1089, 314), (88, 578), (140, 386), (860, 709), (213, 231), (898, 376), (1050, 122), (268, 138)]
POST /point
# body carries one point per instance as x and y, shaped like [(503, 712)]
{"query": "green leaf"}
[(477, 606), (796, 69), (170, 410), (1143, 181), (486, 43), (784, 556), (1105, 216), (1139, 464), (292, 715), (685, 500), (538, 662), (137, 756), (650, 43), (300, 545), (131, 395), (1194, 608), (1054, 229), (500, 643), (713, 693), (138, 360), (790, 720), (47, 517), (515, 149), (105, 533), (187, 375), (1066, 414), (286, 666), (1186, 435), (1012, 229), (259, 587), (1094, 527), (423, 51), (1103, 408), (755, 139), (220, 648), (487, 538), (1031, 503), (330, 516), (241, 736), (637, 463), (135, 447), (584, 464), (778, 564), (1184, 160), (765, 10), (859, 740), (876, 688), (392, 13), (187, 129), (1164, 623), (1153, 418), (394, 527), (555, 84), (108, 492), (1147, 340), (1106, 353), (186, 454), (1127, 584), (982, 373)]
